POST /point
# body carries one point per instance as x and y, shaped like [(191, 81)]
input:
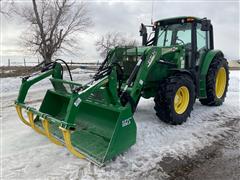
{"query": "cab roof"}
[(175, 20)]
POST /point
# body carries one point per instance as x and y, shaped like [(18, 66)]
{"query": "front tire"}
[(217, 82), (174, 99)]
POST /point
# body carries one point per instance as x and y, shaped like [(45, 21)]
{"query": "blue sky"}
[(126, 16)]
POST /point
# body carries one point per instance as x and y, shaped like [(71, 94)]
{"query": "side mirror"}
[(143, 33), (206, 25), (143, 29)]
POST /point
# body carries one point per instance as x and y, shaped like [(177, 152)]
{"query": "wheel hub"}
[(181, 100), (221, 80)]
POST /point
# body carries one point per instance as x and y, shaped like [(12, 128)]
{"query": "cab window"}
[(175, 34), (202, 39)]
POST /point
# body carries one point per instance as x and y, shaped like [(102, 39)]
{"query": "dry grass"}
[(14, 71)]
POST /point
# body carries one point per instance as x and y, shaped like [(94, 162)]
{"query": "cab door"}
[(202, 43)]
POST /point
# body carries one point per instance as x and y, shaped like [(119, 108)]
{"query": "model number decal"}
[(126, 122), (151, 58)]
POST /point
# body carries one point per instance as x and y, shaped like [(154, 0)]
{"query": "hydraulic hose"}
[(49, 66), (69, 72)]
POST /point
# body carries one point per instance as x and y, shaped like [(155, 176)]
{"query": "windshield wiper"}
[(164, 29)]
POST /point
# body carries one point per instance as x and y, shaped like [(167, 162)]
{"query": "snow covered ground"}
[(12, 84), (27, 155)]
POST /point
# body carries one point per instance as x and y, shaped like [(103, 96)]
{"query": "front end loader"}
[(95, 120)]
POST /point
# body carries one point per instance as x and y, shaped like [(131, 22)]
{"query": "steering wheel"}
[(180, 41)]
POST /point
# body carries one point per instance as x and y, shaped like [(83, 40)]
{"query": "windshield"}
[(175, 34)]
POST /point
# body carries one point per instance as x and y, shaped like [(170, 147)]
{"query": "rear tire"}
[(174, 99), (216, 82)]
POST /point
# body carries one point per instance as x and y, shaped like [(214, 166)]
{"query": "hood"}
[(138, 50)]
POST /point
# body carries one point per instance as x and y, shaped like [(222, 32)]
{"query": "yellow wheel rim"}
[(221, 80), (181, 100)]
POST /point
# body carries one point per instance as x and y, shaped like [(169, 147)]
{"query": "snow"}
[(11, 84), (28, 155)]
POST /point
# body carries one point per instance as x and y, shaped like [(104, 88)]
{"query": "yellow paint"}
[(221, 81), (67, 138), (45, 124), (30, 117), (31, 120), (181, 100), (19, 112)]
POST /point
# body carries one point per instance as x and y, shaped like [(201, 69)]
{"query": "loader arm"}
[(132, 90)]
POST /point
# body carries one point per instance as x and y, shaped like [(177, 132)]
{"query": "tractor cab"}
[(194, 34)]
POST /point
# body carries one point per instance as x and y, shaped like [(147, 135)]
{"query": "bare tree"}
[(111, 40), (54, 26), (6, 7)]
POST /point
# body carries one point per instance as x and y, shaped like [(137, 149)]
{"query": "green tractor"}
[(175, 65)]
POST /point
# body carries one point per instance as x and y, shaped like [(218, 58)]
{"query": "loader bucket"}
[(91, 123), (101, 132)]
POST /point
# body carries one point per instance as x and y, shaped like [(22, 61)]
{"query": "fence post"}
[(24, 61), (71, 62), (9, 63), (38, 60)]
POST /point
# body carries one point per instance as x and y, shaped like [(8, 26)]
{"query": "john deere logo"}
[(126, 122)]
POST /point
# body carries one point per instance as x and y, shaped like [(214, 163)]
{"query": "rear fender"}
[(204, 70)]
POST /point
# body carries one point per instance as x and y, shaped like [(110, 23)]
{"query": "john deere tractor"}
[(175, 65)]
